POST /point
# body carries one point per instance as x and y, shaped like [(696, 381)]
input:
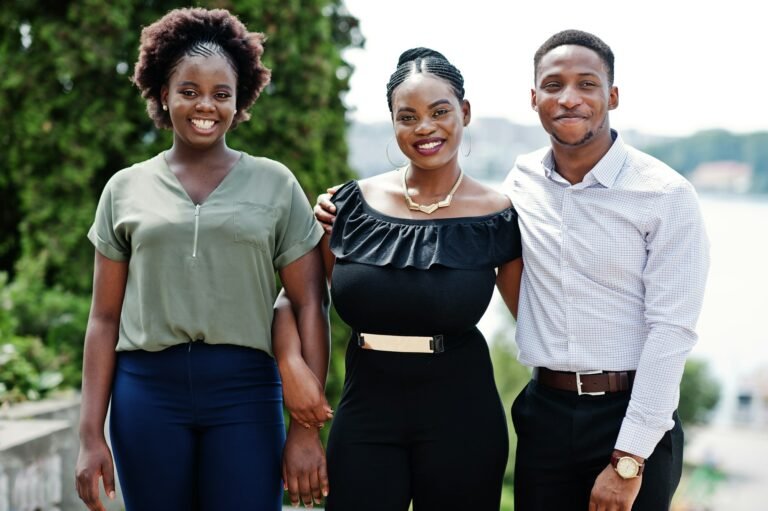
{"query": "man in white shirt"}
[(616, 258)]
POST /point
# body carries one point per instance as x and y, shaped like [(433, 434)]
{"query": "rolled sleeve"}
[(298, 231), (105, 234)]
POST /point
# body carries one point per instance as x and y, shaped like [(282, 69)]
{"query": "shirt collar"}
[(604, 172)]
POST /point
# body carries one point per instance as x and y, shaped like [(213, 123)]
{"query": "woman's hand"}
[(93, 462), (304, 471), (303, 394), (325, 211)]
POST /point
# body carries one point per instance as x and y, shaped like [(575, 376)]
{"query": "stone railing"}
[(38, 451)]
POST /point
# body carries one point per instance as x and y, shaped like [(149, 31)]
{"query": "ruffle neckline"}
[(364, 235)]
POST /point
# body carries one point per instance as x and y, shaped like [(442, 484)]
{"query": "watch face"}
[(627, 467)]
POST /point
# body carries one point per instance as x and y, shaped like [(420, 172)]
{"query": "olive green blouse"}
[(202, 271)]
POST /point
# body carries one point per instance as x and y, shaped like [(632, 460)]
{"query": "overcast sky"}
[(681, 66)]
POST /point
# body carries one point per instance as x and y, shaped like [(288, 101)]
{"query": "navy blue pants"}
[(198, 427), (565, 440)]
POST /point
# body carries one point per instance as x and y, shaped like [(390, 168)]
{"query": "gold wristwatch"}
[(626, 466)]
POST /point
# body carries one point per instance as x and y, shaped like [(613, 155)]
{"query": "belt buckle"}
[(436, 344), (579, 383)]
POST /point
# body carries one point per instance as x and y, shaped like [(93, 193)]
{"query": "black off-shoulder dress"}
[(412, 426)]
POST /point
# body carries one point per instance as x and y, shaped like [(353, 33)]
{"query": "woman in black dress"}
[(412, 260)]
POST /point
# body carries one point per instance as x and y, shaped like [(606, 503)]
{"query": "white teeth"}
[(203, 123), (429, 145)]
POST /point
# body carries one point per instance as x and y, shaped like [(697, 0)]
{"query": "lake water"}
[(732, 328)]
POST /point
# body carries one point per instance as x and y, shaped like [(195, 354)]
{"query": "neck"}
[(427, 183), (575, 162), (193, 157)]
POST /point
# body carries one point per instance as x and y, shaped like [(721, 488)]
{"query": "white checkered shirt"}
[(614, 275)]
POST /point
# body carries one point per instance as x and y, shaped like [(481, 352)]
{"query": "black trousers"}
[(418, 427), (565, 441)]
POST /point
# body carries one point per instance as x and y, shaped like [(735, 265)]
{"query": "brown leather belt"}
[(592, 383)]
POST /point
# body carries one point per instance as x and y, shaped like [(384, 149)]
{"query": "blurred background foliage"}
[(72, 119)]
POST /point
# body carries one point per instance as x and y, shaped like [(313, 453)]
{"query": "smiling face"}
[(573, 96), (201, 100), (428, 120)]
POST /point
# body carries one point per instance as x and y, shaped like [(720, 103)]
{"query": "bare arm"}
[(301, 345), (508, 283), (95, 460)]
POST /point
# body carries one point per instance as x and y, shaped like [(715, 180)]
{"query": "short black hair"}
[(203, 32), (425, 60), (578, 38)]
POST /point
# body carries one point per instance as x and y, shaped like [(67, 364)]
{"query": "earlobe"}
[(613, 101), (163, 95), (533, 101), (467, 111)]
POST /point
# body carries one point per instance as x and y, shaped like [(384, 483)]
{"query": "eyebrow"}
[(584, 74), (431, 105), (194, 84)]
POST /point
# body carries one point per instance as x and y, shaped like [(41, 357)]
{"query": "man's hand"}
[(612, 493), (304, 471), (325, 211)]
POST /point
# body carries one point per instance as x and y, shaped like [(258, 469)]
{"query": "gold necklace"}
[(430, 208)]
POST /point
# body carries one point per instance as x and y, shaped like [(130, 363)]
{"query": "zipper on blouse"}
[(197, 226)]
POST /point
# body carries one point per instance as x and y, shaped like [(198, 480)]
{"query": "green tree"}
[(685, 154), (699, 393)]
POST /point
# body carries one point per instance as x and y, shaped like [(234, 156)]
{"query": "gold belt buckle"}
[(401, 343)]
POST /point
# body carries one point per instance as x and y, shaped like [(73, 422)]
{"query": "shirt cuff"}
[(638, 440), (105, 248), (301, 248)]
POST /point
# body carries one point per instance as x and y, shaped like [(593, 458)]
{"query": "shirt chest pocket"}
[(255, 224)]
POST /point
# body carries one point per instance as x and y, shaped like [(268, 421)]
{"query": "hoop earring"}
[(389, 159), (468, 136)]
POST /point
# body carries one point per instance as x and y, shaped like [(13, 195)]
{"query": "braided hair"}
[(425, 60), (199, 32)]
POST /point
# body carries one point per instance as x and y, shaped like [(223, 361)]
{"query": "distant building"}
[(752, 399), (722, 176)]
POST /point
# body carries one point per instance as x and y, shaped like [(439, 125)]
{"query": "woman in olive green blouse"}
[(187, 246)]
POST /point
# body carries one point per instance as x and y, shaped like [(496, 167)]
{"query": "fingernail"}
[(325, 493), (112, 495)]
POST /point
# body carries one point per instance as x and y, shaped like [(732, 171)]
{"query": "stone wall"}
[(38, 451)]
